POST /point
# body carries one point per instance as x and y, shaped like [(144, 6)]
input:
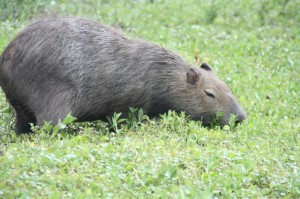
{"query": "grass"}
[(254, 46)]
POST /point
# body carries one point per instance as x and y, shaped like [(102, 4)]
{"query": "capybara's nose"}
[(240, 117)]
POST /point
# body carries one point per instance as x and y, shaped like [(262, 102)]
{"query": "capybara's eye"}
[(209, 93)]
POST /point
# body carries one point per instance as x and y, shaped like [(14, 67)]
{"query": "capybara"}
[(62, 65)]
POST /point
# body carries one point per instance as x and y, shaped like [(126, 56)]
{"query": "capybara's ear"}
[(205, 66), (192, 76)]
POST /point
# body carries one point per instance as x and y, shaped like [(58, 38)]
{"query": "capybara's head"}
[(212, 96)]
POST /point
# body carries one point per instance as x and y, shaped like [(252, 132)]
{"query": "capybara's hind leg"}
[(55, 107), (23, 120), (52, 115)]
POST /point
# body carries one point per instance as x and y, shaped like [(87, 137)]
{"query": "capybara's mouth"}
[(207, 118), (210, 119)]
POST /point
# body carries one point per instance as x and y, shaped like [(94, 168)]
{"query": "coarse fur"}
[(64, 65)]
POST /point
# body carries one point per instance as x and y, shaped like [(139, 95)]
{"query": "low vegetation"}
[(254, 46)]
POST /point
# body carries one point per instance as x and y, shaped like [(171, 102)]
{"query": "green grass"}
[(254, 46)]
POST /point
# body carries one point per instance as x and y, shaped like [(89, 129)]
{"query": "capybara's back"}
[(67, 65)]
